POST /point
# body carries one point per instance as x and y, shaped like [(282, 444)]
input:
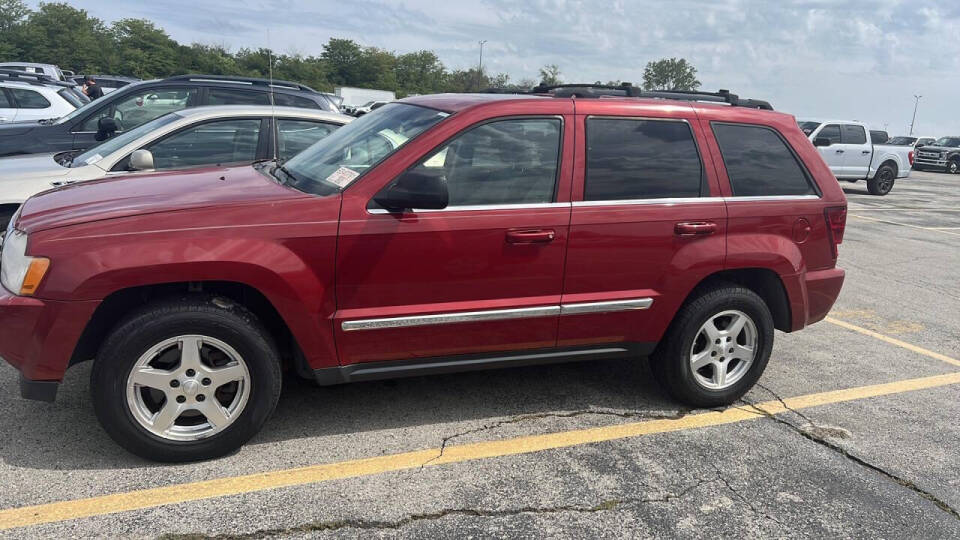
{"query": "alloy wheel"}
[(723, 350), (188, 387)]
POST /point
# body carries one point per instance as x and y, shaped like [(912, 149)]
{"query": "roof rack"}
[(628, 90), (242, 80), (34, 79)]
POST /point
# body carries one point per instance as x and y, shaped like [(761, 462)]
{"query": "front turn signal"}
[(35, 272)]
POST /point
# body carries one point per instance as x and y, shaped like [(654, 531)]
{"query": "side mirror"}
[(141, 160), (822, 141), (415, 190), (106, 127)]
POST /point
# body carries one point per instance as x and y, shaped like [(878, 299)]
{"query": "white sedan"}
[(196, 137)]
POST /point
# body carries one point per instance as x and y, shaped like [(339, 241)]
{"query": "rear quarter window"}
[(759, 162), (631, 159), (28, 99)]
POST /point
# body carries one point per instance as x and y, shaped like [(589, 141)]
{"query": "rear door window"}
[(28, 99), (229, 96), (854, 134), (4, 100), (142, 106), (641, 159), (286, 100), (759, 162)]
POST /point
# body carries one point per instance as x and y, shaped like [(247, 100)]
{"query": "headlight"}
[(19, 273)]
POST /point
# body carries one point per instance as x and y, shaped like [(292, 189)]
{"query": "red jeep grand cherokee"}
[(437, 234)]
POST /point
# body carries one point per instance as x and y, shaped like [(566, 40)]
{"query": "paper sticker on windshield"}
[(93, 159), (342, 177)]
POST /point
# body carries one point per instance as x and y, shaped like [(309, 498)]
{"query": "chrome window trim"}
[(665, 200), (606, 306), (519, 206), (497, 314), (449, 318), (809, 197)]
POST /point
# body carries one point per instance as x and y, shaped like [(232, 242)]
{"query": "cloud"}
[(860, 59)]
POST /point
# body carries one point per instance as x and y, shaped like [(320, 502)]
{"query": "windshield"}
[(948, 141), (336, 161), (808, 127), (110, 146), (902, 141)]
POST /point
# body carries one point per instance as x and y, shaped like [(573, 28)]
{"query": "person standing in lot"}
[(91, 88)]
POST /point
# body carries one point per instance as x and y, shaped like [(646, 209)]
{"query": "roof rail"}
[(245, 80), (628, 90), (35, 79)]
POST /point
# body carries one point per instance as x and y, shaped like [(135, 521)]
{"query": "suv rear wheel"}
[(717, 347), (184, 380), (954, 166)]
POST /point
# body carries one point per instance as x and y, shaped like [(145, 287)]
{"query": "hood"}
[(18, 168), (935, 148), (15, 129), (125, 196)]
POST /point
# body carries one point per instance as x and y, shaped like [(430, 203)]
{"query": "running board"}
[(372, 371)]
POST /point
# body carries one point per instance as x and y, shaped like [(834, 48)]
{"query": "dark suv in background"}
[(943, 155), (137, 103)]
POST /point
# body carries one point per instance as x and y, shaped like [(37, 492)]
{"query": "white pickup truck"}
[(847, 149)]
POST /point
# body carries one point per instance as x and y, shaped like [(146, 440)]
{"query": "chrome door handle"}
[(63, 183), (695, 228)]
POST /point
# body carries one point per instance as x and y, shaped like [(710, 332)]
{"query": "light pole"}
[(480, 68), (915, 105)]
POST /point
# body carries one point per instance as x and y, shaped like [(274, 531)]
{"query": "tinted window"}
[(70, 97), (878, 137), (503, 162), (759, 162), (831, 132), (142, 106), (295, 136), (28, 99), (808, 127), (4, 101), (854, 134), (286, 100), (227, 96), (227, 141), (640, 159)]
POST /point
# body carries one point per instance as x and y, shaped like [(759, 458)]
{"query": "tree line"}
[(57, 33)]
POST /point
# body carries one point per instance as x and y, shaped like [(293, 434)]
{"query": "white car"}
[(24, 100), (845, 146), (368, 107), (196, 137)]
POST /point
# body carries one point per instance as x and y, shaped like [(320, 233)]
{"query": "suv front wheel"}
[(717, 347), (186, 379)]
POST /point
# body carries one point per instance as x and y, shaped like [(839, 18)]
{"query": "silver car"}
[(196, 137)]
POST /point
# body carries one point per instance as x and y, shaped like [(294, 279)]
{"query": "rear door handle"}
[(531, 236), (865, 152), (839, 151), (695, 228)]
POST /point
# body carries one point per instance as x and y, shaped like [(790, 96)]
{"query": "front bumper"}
[(38, 338)]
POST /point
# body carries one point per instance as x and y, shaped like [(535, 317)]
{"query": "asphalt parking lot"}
[(852, 432)]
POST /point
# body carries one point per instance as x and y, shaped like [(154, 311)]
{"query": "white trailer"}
[(355, 97)]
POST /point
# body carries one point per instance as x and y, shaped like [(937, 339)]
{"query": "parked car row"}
[(27, 96)]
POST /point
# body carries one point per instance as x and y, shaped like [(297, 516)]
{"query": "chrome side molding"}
[(578, 308)]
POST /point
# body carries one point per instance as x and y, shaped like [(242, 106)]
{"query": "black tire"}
[(671, 360), (954, 166), (882, 182), (207, 316)]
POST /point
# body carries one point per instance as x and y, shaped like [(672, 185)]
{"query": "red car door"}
[(485, 273), (648, 223)]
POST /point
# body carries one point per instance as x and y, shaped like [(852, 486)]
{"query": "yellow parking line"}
[(912, 226), (894, 341), (207, 489)]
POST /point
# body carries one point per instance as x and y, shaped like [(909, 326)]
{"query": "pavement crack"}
[(817, 437), (743, 498), (539, 416), (372, 524)]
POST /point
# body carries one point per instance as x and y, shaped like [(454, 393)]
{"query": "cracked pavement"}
[(882, 467)]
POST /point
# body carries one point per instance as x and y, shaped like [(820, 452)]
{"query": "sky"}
[(852, 59)]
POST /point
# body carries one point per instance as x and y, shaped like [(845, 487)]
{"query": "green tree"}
[(550, 75), (342, 57), (670, 74), (66, 36), (419, 72), (143, 50)]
